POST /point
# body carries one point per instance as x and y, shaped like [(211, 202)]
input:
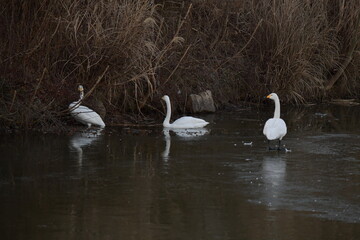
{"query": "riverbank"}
[(128, 55)]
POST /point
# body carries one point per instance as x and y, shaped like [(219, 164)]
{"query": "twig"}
[(178, 64), (37, 86), (175, 35), (242, 49), (348, 59), (97, 82), (341, 70), (13, 100), (87, 94)]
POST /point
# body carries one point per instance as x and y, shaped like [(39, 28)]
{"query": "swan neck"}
[(168, 112), (277, 108), (81, 95)]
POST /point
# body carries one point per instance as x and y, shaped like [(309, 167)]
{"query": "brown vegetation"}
[(130, 53)]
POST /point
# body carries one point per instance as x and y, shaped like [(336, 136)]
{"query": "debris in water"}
[(321, 114), (287, 150), (248, 143)]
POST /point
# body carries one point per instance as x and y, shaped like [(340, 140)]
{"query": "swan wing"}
[(275, 128), (189, 122), (85, 115)]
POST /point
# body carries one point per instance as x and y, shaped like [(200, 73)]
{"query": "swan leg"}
[(279, 148), (276, 148), (271, 148), (279, 145)]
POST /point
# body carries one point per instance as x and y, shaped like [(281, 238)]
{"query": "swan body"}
[(275, 128), (183, 122), (84, 114)]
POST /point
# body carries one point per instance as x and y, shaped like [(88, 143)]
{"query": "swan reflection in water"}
[(165, 153), (83, 139), (184, 134), (273, 174)]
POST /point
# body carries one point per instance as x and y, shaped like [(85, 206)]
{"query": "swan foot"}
[(281, 149), (277, 147), (273, 148)]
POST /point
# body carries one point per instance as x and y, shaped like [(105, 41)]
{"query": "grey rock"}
[(202, 102)]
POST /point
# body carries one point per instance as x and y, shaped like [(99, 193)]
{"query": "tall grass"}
[(51, 46), (245, 49), (129, 53)]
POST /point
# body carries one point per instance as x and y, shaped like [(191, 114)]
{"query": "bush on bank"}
[(130, 53)]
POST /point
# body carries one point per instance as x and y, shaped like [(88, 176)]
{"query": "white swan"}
[(275, 128), (183, 122), (84, 114)]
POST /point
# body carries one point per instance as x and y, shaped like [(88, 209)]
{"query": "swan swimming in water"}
[(275, 128), (183, 122), (84, 114)]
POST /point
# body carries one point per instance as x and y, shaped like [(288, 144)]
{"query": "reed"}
[(246, 49), (129, 53)]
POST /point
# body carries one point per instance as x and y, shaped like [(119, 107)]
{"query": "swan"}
[(84, 114), (275, 128), (183, 122)]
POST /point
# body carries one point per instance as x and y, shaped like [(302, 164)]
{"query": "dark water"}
[(127, 183)]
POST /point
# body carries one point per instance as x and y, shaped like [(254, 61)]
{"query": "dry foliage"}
[(130, 53)]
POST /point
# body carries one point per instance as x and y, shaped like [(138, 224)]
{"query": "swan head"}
[(165, 98), (81, 88), (272, 96)]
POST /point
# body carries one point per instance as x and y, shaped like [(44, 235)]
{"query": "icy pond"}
[(217, 183)]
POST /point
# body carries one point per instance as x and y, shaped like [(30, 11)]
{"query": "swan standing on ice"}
[(183, 122), (275, 128), (84, 114)]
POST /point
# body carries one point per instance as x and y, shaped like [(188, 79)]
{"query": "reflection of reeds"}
[(241, 50), (322, 118)]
